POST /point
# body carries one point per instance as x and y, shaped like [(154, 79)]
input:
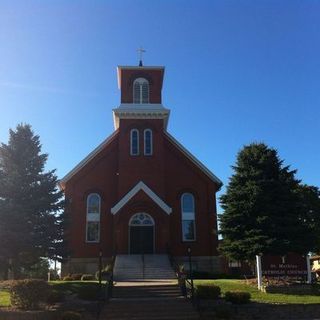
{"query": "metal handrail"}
[(143, 266), (185, 281)]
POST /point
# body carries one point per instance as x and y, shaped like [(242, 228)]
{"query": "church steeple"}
[(150, 78), (141, 93)]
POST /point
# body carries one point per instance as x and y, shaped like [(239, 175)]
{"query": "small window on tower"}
[(140, 91), (134, 142), (147, 142)]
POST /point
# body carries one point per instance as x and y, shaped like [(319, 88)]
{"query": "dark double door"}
[(141, 240)]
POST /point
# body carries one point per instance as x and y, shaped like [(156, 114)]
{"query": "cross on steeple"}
[(141, 51)]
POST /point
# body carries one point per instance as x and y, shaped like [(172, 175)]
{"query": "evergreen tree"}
[(31, 207), (309, 202), (262, 208)]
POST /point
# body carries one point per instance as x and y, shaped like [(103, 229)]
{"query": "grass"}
[(258, 296), (75, 287), (4, 298)]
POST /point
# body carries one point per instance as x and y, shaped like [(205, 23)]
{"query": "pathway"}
[(148, 300)]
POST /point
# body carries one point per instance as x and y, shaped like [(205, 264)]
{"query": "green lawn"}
[(258, 296), (4, 298)]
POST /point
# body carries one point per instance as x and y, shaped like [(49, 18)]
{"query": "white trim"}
[(131, 145), (144, 142), (140, 111), (193, 159), (141, 186), (87, 159)]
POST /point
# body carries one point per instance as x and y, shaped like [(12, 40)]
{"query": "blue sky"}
[(236, 72)]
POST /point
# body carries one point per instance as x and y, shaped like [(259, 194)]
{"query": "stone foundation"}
[(212, 264)]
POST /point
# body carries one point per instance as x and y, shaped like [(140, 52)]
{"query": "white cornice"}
[(141, 186), (140, 111), (193, 159), (142, 67)]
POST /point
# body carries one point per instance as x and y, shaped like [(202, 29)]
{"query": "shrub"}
[(87, 277), (27, 294), (67, 278), (209, 291), (238, 297), (55, 296), (89, 293), (6, 284), (76, 276), (71, 315)]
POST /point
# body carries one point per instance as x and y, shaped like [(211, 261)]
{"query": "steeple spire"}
[(141, 51)]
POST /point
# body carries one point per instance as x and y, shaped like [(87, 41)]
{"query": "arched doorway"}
[(141, 234)]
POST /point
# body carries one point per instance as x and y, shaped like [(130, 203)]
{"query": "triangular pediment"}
[(141, 186)]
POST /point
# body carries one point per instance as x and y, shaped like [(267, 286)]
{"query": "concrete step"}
[(149, 310), (147, 291), (129, 267), (148, 300)]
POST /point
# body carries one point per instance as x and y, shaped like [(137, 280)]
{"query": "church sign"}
[(290, 265)]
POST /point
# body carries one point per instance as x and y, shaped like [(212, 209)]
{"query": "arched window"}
[(134, 142), (147, 133), (188, 217), (140, 91), (93, 218), (141, 219)]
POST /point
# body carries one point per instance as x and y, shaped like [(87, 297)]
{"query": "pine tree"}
[(309, 202), (31, 207), (262, 208)]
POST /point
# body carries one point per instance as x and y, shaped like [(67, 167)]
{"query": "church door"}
[(141, 230)]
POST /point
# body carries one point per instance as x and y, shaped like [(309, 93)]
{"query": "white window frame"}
[(151, 142), (188, 216), (131, 142), (140, 82), (93, 217)]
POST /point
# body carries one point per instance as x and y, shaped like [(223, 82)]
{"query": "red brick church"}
[(140, 191)]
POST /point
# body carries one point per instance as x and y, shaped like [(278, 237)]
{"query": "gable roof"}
[(141, 186), (87, 159), (194, 160)]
